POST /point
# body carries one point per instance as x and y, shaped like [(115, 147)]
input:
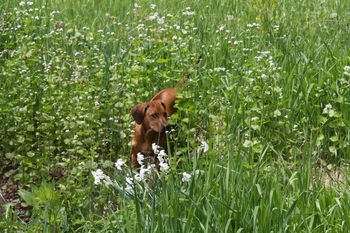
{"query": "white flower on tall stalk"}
[(129, 182), (100, 176), (186, 177), (188, 12), (218, 69), (140, 158), (329, 110), (221, 28), (277, 113), (162, 156), (107, 181), (137, 177), (144, 172), (120, 164), (204, 146), (164, 167), (155, 148), (253, 25), (347, 70), (161, 20)]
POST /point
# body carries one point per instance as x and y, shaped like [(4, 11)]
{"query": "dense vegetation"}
[(270, 98)]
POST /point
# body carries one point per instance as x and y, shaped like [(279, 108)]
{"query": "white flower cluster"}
[(186, 177), (23, 3), (219, 69), (100, 176), (162, 157), (204, 146), (329, 110), (253, 25), (347, 70), (188, 12), (120, 164), (133, 179)]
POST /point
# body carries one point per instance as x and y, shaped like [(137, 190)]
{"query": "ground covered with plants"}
[(260, 142)]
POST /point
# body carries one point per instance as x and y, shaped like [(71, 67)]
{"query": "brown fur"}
[(150, 124), (151, 121)]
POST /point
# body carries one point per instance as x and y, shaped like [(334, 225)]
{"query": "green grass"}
[(270, 97)]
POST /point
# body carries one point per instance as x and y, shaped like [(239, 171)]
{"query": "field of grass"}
[(270, 98)]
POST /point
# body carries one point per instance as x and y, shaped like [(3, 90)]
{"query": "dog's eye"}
[(154, 115), (165, 115)]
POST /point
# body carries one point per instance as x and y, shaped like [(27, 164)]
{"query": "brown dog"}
[(151, 122)]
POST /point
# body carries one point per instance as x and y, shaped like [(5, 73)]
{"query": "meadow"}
[(260, 141)]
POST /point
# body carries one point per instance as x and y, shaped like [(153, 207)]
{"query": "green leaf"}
[(162, 60), (334, 138)]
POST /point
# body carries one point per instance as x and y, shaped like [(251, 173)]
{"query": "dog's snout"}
[(165, 126)]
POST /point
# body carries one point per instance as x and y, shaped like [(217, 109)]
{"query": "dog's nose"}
[(165, 126)]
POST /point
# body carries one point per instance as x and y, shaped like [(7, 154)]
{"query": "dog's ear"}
[(163, 105), (138, 112)]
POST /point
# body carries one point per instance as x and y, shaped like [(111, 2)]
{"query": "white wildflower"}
[(107, 181), (247, 143), (22, 3), (155, 148), (188, 13), (161, 20), (229, 17), (347, 70), (204, 146), (277, 113), (140, 158), (129, 180), (100, 176), (162, 156), (221, 28), (153, 6), (333, 15), (186, 177), (145, 171), (164, 167), (329, 110), (218, 69), (253, 25), (119, 164), (29, 3), (137, 177)]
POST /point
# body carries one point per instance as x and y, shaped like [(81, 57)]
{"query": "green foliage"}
[(270, 97)]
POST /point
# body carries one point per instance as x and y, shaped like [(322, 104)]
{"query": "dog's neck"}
[(148, 137)]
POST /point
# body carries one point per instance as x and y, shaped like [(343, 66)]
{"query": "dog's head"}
[(153, 115)]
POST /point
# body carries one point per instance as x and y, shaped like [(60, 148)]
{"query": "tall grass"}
[(270, 97)]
